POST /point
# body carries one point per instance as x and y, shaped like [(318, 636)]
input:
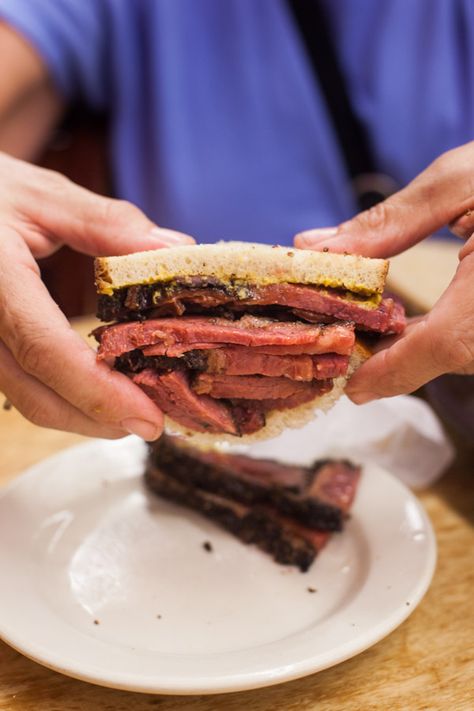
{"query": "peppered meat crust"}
[(190, 468), (252, 526)]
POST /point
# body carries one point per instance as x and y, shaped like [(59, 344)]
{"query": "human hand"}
[(443, 340), (47, 371)]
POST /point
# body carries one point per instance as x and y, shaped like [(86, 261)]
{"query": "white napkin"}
[(401, 434)]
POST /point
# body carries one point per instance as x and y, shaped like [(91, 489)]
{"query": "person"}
[(219, 130)]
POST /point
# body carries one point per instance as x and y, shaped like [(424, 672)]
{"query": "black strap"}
[(369, 186)]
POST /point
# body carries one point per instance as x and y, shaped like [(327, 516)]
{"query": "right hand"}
[(442, 341), (46, 370)]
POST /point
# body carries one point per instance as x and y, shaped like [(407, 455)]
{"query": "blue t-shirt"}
[(218, 127)]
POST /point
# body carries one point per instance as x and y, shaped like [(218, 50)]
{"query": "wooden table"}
[(427, 663)]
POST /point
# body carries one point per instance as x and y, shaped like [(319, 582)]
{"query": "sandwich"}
[(238, 339), (289, 512)]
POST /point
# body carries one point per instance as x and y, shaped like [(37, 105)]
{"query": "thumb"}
[(440, 342), (402, 366), (436, 197), (93, 224)]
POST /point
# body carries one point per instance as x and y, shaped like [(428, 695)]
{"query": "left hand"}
[(443, 340)]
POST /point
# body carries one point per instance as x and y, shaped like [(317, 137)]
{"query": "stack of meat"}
[(287, 511), (216, 361)]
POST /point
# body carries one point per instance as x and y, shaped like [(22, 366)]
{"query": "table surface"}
[(427, 663)]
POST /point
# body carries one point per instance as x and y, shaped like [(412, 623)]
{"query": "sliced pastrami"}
[(318, 388), (250, 387), (292, 490), (323, 301), (177, 349), (199, 294), (248, 331), (398, 320), (262, 502), (171, 392), (238, 360), (283, 540), (247, 419), (335, 483)]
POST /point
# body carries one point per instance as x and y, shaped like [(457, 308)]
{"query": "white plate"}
[(104, 582)]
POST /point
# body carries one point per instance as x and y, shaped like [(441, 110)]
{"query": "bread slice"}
[(279, 420), (252, 263)]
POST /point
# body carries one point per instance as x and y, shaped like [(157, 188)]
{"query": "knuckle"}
[(453, 351), (454, 162), (119, 212), (55, 181), (37, 413), (377, 218), (43, 182), (396, 378), (31, 354), (442, 163)]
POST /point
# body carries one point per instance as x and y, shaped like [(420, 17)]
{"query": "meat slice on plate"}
[(272, 505), (317, 496), (285, 542)]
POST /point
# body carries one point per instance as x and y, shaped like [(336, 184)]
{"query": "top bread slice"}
[(257, 264)]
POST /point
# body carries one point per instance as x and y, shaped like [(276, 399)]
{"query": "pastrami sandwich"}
[(240, 339), (287, 511)]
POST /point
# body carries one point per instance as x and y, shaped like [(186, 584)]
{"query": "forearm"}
[(29, 104)]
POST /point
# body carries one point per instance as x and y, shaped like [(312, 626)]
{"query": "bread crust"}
[(243, 261)]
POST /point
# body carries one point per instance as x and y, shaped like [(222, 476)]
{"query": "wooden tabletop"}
[(427, 663)]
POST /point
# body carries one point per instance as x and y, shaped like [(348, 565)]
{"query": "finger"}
[(42, 342), (439, 343), (400, 368), (467, 249), (463, 226), (435, 198), (59, 210), (42, 406)]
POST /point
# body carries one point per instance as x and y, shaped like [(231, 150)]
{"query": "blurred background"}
[(78, 148)]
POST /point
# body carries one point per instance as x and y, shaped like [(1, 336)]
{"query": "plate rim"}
[(209, 685)]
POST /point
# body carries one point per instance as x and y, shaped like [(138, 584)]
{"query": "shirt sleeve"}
[(70, 36)]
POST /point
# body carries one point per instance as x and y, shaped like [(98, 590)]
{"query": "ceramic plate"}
[(106, 583)]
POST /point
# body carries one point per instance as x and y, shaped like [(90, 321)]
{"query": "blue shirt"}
[(218, 127)]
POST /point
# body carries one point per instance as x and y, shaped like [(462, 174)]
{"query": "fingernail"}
[(142, 428), (170, 237), (362, 398)]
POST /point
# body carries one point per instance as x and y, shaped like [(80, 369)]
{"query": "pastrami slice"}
[(311, 303), (172, 394), (247, 331), (237, 360), (289, 489), (263, 502), (253, 387)]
